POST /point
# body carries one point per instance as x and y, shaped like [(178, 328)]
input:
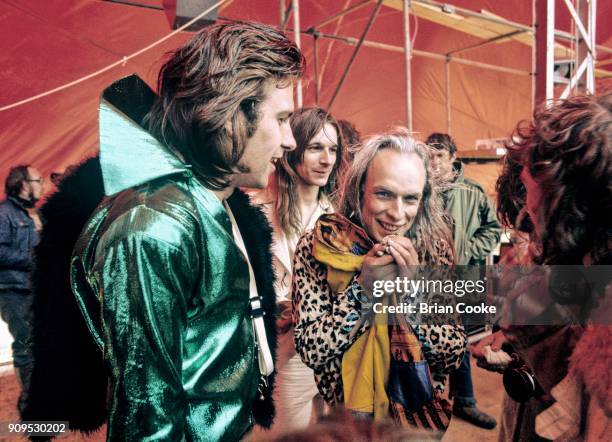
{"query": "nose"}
[(395, 209), (287, 142), (325, 158)]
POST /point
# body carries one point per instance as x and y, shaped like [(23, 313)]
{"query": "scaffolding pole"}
[(295, 6), (342, 13), (315, 56), (420, 53), (354, 54), (585, 48), (448, 93), (407, 59), (544, 50), (583, 78), (486, 42), (285, 12)]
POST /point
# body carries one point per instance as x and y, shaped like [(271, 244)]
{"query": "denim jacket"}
[(18, 238)]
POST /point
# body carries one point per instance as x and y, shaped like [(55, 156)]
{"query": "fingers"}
[(498, 340), (400, 240), (477, 349), (382, 260), (404, 247), (398, 257), (377, 250)]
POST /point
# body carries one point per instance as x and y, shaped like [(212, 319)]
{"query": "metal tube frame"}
[(544, 50), (407, 59), (502, 21), (543, 59), (584, 76), (581, 31), (285, 13), (420, 53), (315, 50), (354, 54), (486, 42), (448, 93), (295, 6), (341, 13)]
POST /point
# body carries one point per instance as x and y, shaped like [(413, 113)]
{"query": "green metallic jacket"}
[(165, 294), (477, 231)]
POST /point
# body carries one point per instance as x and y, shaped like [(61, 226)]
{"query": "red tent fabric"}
[(49, 44)]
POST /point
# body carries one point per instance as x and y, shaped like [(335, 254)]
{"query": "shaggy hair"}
[(431, 226), (305, 125), (14, 180), (210, 91), (512, 195), (351, 138), (567, 149), (441, 141)]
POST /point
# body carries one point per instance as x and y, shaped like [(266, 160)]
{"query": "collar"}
[(325, 204), (458, 171), (129, 155), (18, 202)]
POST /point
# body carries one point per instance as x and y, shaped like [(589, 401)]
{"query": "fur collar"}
[(257, 235), (591, 361), (69, 376)]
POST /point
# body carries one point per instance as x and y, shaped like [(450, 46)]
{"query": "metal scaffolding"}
[(583, 13), (541, 36)]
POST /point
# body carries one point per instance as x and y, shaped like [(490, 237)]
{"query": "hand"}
[(495, 340), (403, 253), (377, 265)]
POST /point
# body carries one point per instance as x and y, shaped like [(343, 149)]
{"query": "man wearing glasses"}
[(19, 228)]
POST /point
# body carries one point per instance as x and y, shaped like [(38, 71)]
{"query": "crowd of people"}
[(215, 279)]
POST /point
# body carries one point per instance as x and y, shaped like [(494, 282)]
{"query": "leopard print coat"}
[(327, 324)]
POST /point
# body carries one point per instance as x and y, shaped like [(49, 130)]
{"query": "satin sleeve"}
[(145, 280)]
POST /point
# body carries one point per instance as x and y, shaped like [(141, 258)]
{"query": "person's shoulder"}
[(305, 244), (7, 208), (162, 210), (473, 185)]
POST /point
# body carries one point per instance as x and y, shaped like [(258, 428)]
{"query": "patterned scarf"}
[(384, 373)]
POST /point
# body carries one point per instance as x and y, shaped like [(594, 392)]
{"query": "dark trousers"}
[(16, 311), (461, 388)]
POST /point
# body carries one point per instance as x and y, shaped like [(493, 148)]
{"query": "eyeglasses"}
[(39, 180)]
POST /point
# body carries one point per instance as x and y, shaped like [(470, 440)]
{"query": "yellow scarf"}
[(342, 246)]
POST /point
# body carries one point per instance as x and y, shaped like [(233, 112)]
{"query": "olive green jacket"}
[(477, 231), (165, 294)]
